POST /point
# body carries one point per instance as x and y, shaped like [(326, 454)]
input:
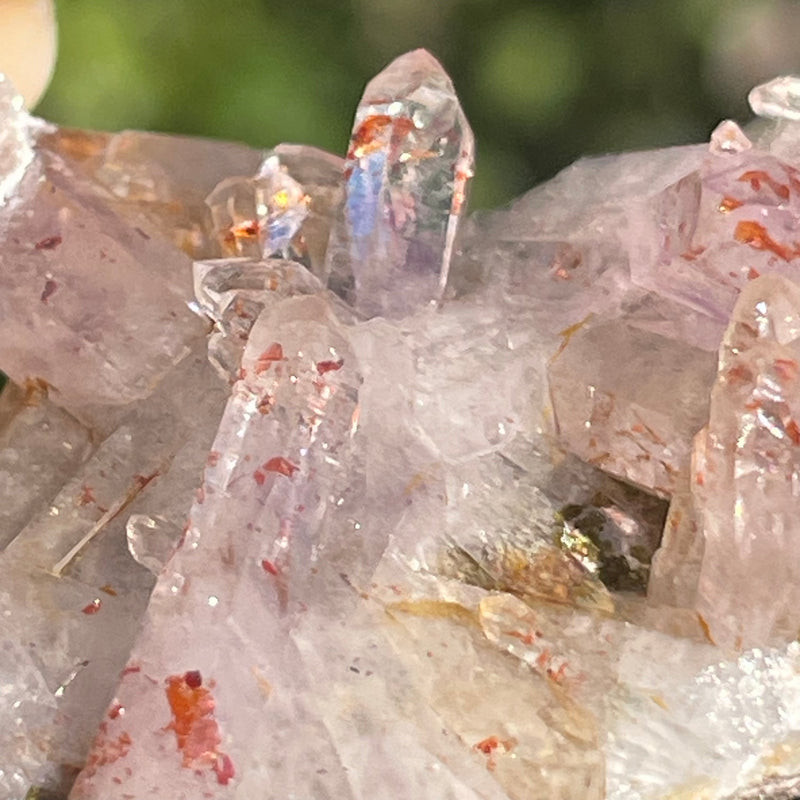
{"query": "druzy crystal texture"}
[(312, 487)]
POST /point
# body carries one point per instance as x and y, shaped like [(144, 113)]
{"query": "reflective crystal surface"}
[(314, 512), (410, 157)]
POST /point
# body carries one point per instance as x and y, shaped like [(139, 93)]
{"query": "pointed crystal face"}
[(409, 160), (728, 137), (258, 216)]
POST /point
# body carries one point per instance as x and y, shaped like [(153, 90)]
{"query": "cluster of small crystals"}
[(304, 495)]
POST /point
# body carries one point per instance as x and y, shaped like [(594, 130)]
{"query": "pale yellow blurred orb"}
[(28, 45)]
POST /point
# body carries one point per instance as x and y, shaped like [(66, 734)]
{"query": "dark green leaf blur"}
[(541, 82)]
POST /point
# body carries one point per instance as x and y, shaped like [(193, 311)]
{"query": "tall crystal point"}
[(747, 469), (409, 160)]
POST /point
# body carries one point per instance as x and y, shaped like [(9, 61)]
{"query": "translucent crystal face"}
[(258, 216), (409, 160)]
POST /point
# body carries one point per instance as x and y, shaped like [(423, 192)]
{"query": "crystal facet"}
[(406, 172)]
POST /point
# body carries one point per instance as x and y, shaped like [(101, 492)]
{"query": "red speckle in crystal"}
[(142, 480), (195, 728), (692, 253), (50, 287), (793, 429), (259, 477), (269, 567), (558, 675), (369, 130), (787, 368), (106, 750), (224, 769), (213, 458), (526, 637), (489, 747), (93, 607), (756, 176), (116, 710), (488, 744), (248, 229), (272, 354), (86, 496), (280, 465), (329, 366), (755, 234), (48, 243), (729, 204), (193, 679)]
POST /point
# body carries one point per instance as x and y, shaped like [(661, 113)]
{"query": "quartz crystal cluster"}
[(310, 488)]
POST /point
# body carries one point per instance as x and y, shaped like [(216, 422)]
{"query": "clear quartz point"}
[(406, 172), (234, 291), (728, 137), (747, 471), (281, 205), (258, 216), (235, 218), (777, 99)]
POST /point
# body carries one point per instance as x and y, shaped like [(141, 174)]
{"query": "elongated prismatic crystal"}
[(407, 167)]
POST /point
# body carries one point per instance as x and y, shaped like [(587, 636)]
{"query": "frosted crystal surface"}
[(350, 506)]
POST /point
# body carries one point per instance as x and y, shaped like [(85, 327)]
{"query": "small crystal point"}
[(728, 137), (777, 99), (258, 216), (409, 160), (281, 203)]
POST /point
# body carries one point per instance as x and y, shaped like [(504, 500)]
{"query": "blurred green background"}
[(541, 82)]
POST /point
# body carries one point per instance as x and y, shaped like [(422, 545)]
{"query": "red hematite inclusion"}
[(192, 706)]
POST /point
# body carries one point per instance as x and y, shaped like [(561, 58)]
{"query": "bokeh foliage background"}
[(541, 82)]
